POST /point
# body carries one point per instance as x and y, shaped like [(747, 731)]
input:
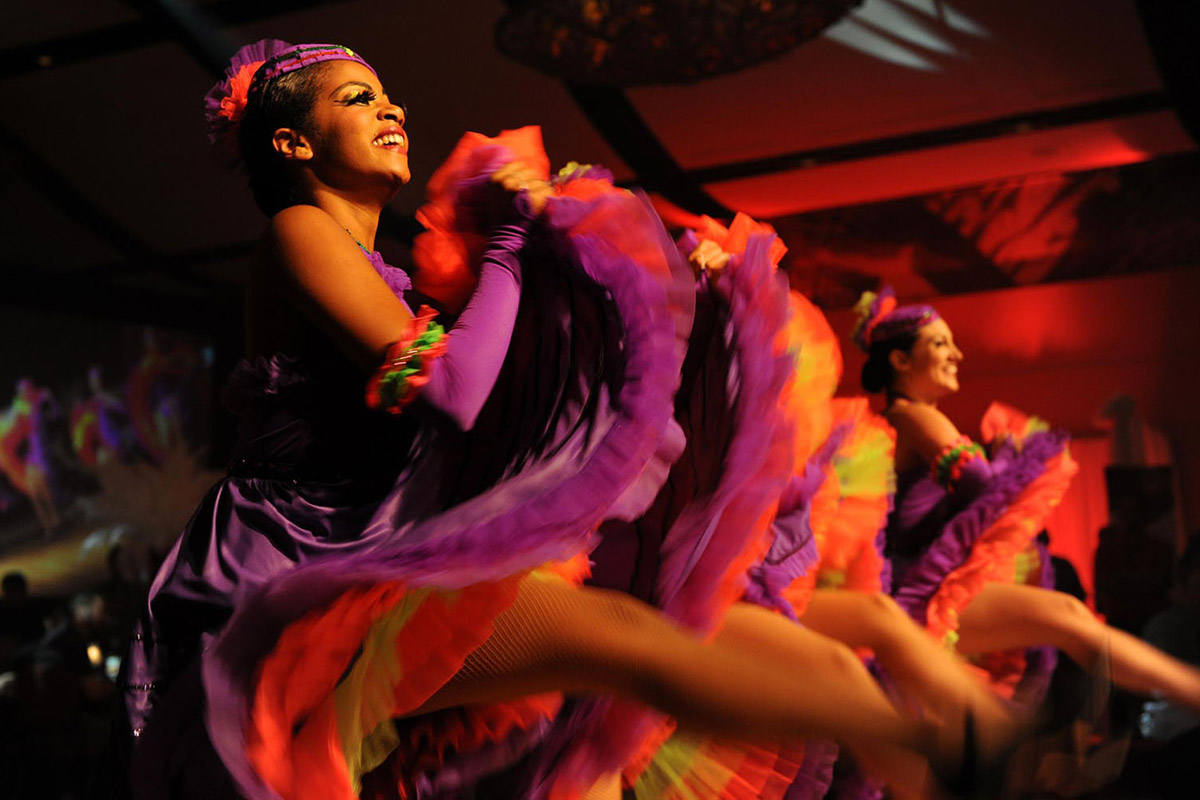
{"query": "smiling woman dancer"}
[(368, 595), (961, 535)]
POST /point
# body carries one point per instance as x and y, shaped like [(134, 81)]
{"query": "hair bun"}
[(875, 375)]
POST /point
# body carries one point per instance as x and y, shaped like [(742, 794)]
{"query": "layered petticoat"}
[(836, 515)]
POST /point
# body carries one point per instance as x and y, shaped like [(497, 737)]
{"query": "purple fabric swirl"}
[(816, 772)]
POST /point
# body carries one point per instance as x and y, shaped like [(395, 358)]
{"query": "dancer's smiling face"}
[(357, 133), (929, 371)]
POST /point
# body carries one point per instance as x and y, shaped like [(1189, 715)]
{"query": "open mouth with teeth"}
[(391, 141)]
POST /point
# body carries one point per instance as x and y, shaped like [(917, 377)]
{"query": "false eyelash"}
[(365, 96)]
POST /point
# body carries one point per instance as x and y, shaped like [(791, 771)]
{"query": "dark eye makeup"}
[(363, 97)]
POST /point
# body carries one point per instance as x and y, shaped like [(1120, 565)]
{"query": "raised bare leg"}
[(919, 665), (1005, 616), (556, 637)]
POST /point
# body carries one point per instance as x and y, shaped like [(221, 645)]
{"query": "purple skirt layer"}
[(793, 548)]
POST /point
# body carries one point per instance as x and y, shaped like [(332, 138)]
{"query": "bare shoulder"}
[(301, 222), (921, 430), (311, 251), (327, 278), (301, 215), (302, 235)]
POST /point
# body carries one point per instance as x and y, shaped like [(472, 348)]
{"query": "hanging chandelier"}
[(639, 42)]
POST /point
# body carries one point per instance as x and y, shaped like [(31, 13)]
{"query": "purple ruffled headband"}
[(252, 68), (881, 318)]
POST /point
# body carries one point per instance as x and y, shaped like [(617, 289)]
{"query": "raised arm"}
[(336, 287), (461, 380)]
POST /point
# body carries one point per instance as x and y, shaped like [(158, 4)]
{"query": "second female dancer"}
[(961, 534)]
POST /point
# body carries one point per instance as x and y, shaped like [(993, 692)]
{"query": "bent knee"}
[(882, 605), (884, 615), (1058, 619), (840, 659), (1070, 610)]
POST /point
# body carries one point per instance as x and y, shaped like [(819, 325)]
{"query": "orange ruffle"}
[(293, 739), (734, 238), (686, 767), (641, 761), (807, 400), (1002, 422), (575, 570), (848, 511), (445, 253), (846, 537), (818, 359), (431, 741)]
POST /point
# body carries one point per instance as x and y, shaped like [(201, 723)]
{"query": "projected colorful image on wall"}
[(103, 440)]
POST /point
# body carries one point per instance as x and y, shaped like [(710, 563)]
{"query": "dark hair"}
[(877, 373), (285, 102)]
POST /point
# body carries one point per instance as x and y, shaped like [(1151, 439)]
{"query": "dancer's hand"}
[(517, 178), (708, 257)]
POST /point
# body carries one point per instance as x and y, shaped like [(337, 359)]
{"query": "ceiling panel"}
[(1015, 56), (1076, 147), (126, 132)]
